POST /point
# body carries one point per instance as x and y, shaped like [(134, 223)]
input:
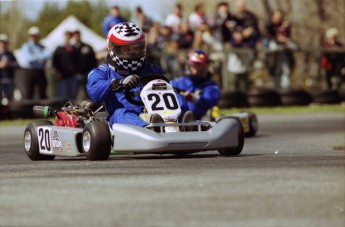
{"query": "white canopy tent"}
[(71, 23)]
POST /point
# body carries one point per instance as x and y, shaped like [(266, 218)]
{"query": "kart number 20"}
[(44, 139), (168, 98)]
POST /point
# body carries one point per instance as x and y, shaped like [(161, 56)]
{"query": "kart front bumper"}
[(128, 138)]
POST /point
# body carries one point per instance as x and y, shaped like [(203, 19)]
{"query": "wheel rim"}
[(86, 141), (27, 141)]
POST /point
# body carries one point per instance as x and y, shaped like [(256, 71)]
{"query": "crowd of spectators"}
[(179, 33)]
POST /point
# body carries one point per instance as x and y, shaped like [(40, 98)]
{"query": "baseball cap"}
[(3, 37), (34, 31)]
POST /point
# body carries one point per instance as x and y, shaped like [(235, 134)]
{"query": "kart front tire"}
[(96, 141), (237, 150), (31, 145), (253, 125)]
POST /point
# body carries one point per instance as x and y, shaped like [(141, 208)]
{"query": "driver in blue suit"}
[(125, 69), (201, 92)]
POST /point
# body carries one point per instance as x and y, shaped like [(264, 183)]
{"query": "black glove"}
[(128, 82)]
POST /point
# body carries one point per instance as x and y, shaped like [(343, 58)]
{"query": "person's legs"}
[(125, 116), (62, 88), (41, 80), (30, 82)]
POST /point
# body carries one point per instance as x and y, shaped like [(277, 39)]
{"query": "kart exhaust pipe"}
[(43, 111)]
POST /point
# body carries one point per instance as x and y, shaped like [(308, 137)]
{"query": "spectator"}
[(277, 23), (142, 20), (239, 61), (247, 23), (201, 92), (86, 60), (198, 21), (278, 30), (65, 62), (175, 19), (224, 23), (167, 42), (333, 62), (185, 36), (8, 63), (34, 59), (112, 19)]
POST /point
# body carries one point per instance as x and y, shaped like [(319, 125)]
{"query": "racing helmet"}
[(126, 47), (198, 62)]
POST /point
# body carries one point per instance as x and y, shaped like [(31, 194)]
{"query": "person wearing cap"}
[(333, 62), (35, 57), (197, 86), (8, 63)]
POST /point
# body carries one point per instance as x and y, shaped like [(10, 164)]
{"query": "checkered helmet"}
[(126, 46)]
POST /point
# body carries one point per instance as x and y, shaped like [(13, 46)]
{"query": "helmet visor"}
[(129, 51)]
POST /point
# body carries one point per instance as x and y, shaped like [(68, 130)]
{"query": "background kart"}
[(78, 131), (248, 120)]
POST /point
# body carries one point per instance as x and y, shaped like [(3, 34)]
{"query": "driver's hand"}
[(192, 97), (128, 82)]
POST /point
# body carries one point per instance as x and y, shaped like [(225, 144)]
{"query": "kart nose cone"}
[(27, 141), (86, 141)]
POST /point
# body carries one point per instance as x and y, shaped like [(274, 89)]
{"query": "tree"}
[(14, 24), (49, 17)]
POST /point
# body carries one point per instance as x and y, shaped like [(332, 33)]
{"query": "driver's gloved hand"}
[(128, 82)]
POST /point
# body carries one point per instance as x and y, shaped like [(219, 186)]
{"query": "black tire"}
[(31, 146), (263, 97), (237, 150), (22, 108), (295, 97), (253, 125), (96, 141), (230, 99), (326, 97)]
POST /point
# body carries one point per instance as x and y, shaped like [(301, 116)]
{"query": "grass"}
[(257, 110), (290, 109)]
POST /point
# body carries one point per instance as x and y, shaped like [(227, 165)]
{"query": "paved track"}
[(291, 174)]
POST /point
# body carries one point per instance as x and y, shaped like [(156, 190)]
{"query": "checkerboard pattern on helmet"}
[(127, 29), (131, 65)]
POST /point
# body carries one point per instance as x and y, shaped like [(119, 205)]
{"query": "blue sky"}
[(156, 9)]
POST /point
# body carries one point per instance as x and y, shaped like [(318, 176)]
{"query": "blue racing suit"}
[(119, 108), (207, 93)]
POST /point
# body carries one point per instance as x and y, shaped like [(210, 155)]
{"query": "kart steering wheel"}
[(145, 79)]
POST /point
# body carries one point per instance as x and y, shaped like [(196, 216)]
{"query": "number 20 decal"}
[(44, 139), (168, 98)]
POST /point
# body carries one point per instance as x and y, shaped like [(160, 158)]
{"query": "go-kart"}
[(80, 131), (248, 120)]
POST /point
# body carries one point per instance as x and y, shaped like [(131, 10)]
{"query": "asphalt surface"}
[(291, 174)]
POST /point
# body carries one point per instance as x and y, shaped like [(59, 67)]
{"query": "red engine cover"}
[(64, 119)]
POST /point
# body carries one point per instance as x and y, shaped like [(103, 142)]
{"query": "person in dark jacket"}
[(65, 64), (86, 60), (8, 63)]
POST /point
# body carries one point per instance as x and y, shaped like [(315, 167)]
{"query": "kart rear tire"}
[(96, 141), (237, 150), (253, 125), (31, 145)]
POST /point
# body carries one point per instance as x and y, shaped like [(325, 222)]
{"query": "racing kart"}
[(248, 120), (79, 130)]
